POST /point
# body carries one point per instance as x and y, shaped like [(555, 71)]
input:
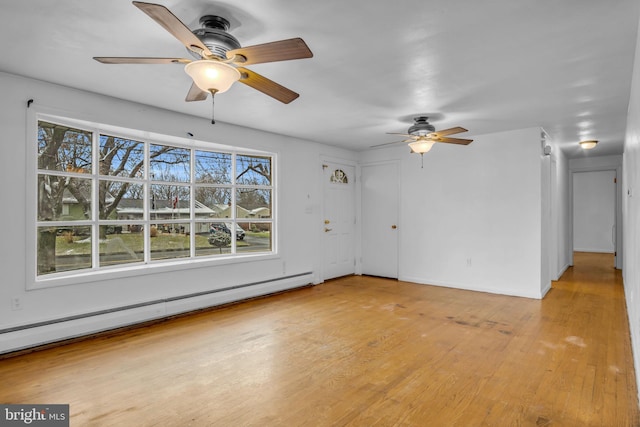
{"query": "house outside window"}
[(108, 201)]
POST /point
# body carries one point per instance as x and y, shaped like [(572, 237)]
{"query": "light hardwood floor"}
[(358, 351)]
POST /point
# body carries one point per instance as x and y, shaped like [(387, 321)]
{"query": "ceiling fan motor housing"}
[(421, 127), (214, 35)]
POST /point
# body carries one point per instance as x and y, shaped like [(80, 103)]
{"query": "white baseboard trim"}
[(545, 290), (472, 288), (27, 336), (597, 250), (562, 270)]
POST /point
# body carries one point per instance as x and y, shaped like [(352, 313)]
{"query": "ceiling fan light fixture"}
[(212, 76), (588, 145), (421, 146)]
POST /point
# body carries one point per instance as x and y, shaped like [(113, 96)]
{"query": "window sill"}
[(66, 279)]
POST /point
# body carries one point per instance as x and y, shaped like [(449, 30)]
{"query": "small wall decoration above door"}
[(338, 176)]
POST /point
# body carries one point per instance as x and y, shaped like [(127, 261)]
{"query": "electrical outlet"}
[(468, 262), (16, 303)]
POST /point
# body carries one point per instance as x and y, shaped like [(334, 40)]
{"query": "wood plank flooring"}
[(358, 351)]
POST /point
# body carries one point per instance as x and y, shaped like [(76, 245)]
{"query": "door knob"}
[(393, 227), (326, 230), (326, 221)]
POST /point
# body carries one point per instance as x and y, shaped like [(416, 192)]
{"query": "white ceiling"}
[(487, 66)]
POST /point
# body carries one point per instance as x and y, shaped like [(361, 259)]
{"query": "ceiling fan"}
[(422, 135), (219, 57)]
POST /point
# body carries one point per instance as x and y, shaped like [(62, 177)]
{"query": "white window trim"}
[(35, 282)]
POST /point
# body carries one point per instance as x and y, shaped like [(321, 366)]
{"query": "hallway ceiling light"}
[(588, 145)]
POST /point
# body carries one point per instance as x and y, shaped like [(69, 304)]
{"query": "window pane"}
[(257, 237), (170, 202), (169, 164), (213, 168), (253, 203), (63, 249), (61, 198), (120, 200), (169, 240), (253, 170), (63, 148), (212, 202), (120, 246), (121, 157)]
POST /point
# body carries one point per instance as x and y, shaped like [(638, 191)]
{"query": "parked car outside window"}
[(225, 227)]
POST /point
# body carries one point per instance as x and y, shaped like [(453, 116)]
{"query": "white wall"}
[(594, 202), (631, 211), (299, 201), (563, 212), (471, 218), (546, 249)]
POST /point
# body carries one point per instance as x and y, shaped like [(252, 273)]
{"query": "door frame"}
[(618, 208), (359, 211), (324, 159)]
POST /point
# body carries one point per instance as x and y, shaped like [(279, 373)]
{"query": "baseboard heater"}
[(144, 311)]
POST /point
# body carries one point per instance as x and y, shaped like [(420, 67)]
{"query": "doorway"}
[(594, 211)]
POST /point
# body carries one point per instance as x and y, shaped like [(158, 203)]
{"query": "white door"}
[(380, 201), (339, 220)]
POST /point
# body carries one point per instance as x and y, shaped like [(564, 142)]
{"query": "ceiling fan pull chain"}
[(213, 105)]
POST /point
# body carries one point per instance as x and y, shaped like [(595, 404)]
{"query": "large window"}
[(107, 201)]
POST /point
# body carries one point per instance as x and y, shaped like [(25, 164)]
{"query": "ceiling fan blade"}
[(266, 86), (451, 131), (139, 60), (196, 94), (282, 50), (460, 141), (172, 24), (386, 143), (402, 134)]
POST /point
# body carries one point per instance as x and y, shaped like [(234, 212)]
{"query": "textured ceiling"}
[(487, 66)]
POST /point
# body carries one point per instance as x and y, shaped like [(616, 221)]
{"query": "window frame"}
[(147, 265)]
